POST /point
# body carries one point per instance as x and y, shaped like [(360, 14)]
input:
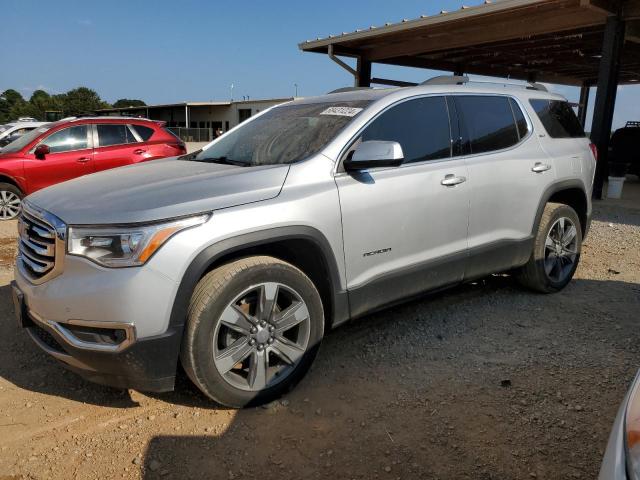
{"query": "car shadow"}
[(27, 367), (433, 389)]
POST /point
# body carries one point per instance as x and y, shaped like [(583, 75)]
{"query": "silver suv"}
[(235, 260)]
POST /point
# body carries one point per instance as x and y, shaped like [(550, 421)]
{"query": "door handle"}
[(83, 159), (139, 151), (451, 180), (540, 167)]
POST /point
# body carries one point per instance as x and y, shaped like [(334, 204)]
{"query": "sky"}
[(187, 50)]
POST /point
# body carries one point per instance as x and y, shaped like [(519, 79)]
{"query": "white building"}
[(197, 121)]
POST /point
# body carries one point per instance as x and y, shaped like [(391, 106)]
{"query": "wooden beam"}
[(632, 31), (487, 32), (631, 9), (485, 69), (605, 7)]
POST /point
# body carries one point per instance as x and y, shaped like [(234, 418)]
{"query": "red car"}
[(67, 149)]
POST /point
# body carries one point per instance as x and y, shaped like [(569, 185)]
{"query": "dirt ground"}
[(485, 381)]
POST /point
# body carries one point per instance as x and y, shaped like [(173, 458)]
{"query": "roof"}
[(557, 41)]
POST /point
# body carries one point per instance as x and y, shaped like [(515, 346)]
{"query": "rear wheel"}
[(254, 328), (556, 251), (10, 201)]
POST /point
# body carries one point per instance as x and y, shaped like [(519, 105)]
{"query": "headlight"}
[(125, 246), (632, 431)]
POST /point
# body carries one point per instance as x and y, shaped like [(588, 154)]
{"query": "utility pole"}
[(232, 92), (296, 85)]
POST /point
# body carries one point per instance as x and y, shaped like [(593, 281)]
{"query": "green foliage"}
[(74, 102), (82, 100), (125, 102), (9, 99)]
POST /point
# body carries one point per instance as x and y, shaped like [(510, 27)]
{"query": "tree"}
[(9, 99), (81, 100), (42, 102), (125, 102)]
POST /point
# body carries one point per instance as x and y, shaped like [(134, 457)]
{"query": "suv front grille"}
[(37, 245)]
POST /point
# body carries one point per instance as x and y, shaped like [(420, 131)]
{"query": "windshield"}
[(24, 140), (283, 135)]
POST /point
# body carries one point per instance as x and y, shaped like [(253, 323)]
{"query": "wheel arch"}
[(304, 247), (571, 193), (4, 178)]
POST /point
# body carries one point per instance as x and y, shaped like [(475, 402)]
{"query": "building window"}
[(243, 114)]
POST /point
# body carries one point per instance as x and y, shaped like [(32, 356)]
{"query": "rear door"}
[(405, 231), (116, 145), (564, 140), (71, 156), (508, 172)]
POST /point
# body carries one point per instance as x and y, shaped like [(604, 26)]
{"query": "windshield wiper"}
[(223, 159), (190, 156)]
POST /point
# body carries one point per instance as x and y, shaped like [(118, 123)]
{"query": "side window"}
[(521, 122), (114, 134), (488, 123), (144, 132), (73, 138), (558, 118), (420, 126)]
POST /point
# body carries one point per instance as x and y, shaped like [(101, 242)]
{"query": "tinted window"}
[(114, 134), (558, 118), (144, 132), (521, 122), (488, 123), (74, 138), (420, 126)]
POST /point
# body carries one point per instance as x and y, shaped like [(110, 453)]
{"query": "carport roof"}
[(556, 41)]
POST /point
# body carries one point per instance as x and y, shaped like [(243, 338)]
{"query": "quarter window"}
[(558, 118), (420, 126), (144, 132), (73, 138), (488, 123), (114, 134)]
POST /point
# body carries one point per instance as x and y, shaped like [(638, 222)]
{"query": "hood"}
[(158, 190)]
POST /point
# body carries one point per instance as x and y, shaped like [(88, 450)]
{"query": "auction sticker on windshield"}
[(342, 111)]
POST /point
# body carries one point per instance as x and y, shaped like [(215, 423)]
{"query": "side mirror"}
[(373, 154), (41, 151)]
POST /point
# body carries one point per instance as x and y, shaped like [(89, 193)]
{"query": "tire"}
[(231, 331), (552, 264), (9, 194)]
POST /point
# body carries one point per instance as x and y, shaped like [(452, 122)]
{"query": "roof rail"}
[(447, 80), (348, 89), (537, 86)]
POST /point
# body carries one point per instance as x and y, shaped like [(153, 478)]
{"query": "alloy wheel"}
[(9, 205), (261, 336), (560, 249)]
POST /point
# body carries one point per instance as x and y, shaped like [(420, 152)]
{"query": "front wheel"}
[(253, 329), (10, 201), (556, 250)]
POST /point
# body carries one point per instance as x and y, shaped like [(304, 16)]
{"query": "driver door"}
[(404, 231), (71, 156)]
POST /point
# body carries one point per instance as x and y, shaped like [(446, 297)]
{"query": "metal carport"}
[(583, 43)]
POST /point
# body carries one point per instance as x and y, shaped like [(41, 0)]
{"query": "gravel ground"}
[(485, 381)]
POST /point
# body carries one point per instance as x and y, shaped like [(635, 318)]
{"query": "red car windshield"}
[(24, 140)]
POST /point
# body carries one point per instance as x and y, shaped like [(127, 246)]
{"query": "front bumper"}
[(147, 365), (62, 313)]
